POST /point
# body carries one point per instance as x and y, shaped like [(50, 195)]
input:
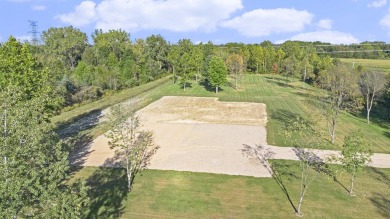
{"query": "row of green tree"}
[(363, 50), (75, 71)]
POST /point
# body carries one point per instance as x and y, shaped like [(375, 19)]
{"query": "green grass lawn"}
[(171, 194), (382, 65)]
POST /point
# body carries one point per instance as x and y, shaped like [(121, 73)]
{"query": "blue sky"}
[(220, 21)]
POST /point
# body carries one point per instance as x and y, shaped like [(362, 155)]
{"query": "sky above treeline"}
[(219, 21)]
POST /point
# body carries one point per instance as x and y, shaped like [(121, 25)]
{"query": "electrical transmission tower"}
[(34, 32)]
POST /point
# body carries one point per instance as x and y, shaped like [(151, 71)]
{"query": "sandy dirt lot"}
[(203, 135), (197, 134)]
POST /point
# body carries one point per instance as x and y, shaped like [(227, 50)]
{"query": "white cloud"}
[(264, 22), (385, 21), (377, 4), (173, 15), (83, 14), (38, 7), (333, 37), (325, 24)]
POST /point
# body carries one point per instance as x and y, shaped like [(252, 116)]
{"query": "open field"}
[(170, 194), (382, 65), (284, 102)]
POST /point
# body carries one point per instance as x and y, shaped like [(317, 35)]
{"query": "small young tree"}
[(305, 136), (372, 86), (355, 155), (136, 147), (216, 72)]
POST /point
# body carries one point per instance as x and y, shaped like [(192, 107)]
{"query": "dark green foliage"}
[(34, 163), (216, 72), (66, 44)]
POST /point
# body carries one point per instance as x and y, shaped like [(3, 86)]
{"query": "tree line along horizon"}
[(78, 71), (38, 81)]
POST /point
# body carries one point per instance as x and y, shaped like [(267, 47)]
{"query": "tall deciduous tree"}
[(34, 164), (115, 41), (197, 56), (136, 147), (186, 64), (372, 85), (216, 72), (173, 59), (157, 49), (19, 68), (235, 64), (66, 44), (341, 83), (256, 56)]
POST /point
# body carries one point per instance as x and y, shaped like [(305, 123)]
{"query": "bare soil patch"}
[(197, 134)]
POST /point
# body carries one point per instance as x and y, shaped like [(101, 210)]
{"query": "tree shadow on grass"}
[(80, 148), (284, 116), (281, 83), (79, 123), (379, 175), (108, 189), (387, 134), (382, 203), (319, 165), (278, 170), (208, 87)]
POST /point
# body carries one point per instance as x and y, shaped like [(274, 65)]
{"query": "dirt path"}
[(204, 135)]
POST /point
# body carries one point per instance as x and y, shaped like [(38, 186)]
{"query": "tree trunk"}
[(236, 80), (303, 191), (333, 130), (299, 213), (128, 173), (174, 76), (369, 105), (216, 89), (304, 75), (351, 187), (257, 68)]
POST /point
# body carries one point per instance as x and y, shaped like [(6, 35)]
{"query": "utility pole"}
[(34, 32)]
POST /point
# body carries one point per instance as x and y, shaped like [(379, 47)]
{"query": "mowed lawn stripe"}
[(171, 194)]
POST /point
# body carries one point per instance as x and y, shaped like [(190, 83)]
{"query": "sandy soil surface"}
[(204, 135), (196, 134)]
